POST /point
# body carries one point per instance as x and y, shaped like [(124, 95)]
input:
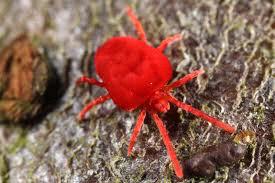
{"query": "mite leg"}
[(92, 81), (136, 131), (96, 101), (201, 114), (170, 149), (136, 23), (184, 79), (169, 40)]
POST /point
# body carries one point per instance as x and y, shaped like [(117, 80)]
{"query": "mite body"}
[(136, 75), (123, 64)]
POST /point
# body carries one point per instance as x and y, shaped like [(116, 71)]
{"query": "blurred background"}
[(46, 45)]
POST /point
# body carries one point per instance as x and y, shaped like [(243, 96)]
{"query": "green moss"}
[(259, 112), (4, 168), (138, 177), (19, 143), (222, 174), (269, 180), (168, 175), (117, 180)]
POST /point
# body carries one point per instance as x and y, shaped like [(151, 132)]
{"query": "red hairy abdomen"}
[(131, 70)]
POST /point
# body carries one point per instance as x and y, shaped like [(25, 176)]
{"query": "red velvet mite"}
[(136, 76)]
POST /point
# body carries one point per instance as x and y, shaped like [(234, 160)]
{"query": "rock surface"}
[(233, 41)]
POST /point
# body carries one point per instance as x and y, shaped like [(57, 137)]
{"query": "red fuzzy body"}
[(131, 70)]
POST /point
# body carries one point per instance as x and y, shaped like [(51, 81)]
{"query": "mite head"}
[(158, 103)]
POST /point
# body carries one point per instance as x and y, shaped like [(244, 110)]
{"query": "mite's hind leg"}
[(226, 127), (167, 142)]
